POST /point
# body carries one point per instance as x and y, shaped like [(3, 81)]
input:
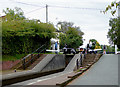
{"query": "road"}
[(104, 72)]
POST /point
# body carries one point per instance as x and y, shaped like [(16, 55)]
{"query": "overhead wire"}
[(30, 5), (26, 3), (55, 6), (34, 10)]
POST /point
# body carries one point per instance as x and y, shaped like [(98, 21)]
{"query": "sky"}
[(83, 13)]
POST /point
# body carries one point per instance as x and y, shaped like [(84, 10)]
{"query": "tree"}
[(114, 23), (14, 14), (114, 31), (95, 44), (110, 49), (65, 25), (21, 35), (113, 7), (71, 35)]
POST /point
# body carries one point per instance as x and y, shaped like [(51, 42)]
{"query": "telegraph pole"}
[(46, 13)]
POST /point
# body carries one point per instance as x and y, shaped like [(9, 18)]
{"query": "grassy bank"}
[(18, 56), (12, 57)]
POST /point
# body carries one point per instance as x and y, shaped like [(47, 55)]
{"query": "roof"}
[(2, 16)]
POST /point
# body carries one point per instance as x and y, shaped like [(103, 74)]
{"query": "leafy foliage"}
[(110, 49), (72, 36), (114, 31), (113, 7), (21, 35), (14, 14), (95, 44)]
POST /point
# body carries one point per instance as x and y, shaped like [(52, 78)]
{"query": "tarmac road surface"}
[(104, 72)]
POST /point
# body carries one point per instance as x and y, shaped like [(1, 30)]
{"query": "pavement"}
[(104, 72)]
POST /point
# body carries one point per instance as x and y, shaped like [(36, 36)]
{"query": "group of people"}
[(68, 50), (91, 45)]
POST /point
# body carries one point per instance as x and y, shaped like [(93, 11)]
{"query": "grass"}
[(18, 56), (12, 57), (118, 49), (48, 53), (80, 69)]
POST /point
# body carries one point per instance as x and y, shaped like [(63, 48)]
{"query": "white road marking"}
[(46, 79)]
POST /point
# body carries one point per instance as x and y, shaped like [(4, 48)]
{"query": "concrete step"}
[(37, 61)]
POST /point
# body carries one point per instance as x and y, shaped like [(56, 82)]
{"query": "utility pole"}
[(46, 13)]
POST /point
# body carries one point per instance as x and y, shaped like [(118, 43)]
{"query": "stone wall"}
[(57, 62)]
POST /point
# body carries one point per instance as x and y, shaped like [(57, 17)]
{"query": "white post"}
[(59, 27), (115, 49)]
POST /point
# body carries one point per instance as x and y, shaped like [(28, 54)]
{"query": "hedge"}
[(24, 36)]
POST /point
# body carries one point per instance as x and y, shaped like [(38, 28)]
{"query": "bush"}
[(24, 36)]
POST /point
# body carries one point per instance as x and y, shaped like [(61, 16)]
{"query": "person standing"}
[(104, 49), (56, 43), (65, 49), (87, 48), (90, 45)]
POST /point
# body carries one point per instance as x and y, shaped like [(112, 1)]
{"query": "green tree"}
[(113, 7), (71, 35), (21, 35), (14, 14), (110, 49), (65, 25), (95, 44), (114, 23), (114, 31)]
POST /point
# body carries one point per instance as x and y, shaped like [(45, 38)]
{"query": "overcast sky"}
[(83, 13)]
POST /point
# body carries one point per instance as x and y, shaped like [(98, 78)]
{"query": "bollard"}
[(15, 70), (31, 58), (24, 64), (81, 60), (38, 55), (77, 64), (44, 50)]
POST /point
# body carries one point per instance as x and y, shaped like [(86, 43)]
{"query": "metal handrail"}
[(39, 48), (26, 56), (32, 57)]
